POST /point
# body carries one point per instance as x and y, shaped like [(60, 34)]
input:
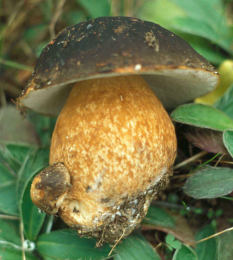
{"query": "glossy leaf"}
[(7, 159), (228, 141), (31, 216), (10, 243), (35, 161), (19, 152), (8, 203), (10, 253), (135, 247), (159, 217), (202, 116), (206, 250), (44, 126), (66, 244), (185, 253), (9, 231), (209, 182), (172, 242)]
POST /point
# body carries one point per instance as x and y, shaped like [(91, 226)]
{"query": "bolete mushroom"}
[(113, 145)]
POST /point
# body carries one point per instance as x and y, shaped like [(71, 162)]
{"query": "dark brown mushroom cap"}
[(113, 46)]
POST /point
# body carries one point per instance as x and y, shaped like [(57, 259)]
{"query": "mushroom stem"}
[(118, 144)]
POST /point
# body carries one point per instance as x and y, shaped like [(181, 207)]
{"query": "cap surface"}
[(114, 46)]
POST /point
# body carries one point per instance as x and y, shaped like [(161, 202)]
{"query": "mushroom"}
[(113, 145)]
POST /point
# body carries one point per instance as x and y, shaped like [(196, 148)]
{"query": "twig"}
[(211, 236), (117, 242), (190, 160), (219, 160), (159, 245), (55, 17), (14, 14), (226, 162), (22, 240), (8, 217)]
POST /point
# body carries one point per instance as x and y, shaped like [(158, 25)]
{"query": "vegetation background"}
[(193, 218)]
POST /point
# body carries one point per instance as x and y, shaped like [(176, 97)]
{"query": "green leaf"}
[(96, 8), (172, 242), (208, 11), (66, 244), (195, 27), (202, 116), (206, 250), (168, 13), (209, 182), (205, 48), (8, 160), (74, 16), (185, 253), (162, 12), (19, 152), (159, 217), (135, 247), (228, 141), (225, 103), (225, 249), (205, 19), (10, 253), (44, 125), (9, 231), (8, 204), (31, 216), (35, 161)]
